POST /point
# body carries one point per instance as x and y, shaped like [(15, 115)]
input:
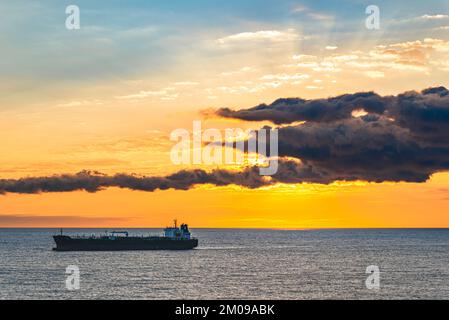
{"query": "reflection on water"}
[(234, 264)]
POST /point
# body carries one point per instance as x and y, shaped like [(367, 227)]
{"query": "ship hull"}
[(66, 243)]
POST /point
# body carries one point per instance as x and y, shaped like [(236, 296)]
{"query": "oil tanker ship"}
[(174, 238)]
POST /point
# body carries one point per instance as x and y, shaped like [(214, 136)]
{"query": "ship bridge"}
[(176, 232)]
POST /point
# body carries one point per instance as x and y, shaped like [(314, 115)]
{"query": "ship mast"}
[(176, 223)]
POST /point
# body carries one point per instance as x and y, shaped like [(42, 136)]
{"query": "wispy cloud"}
[(425, 18), (164, 94), (257, 36), (79, 103), (316, 15), (299, 8), (285, 77), (411, 56), (434, 16)]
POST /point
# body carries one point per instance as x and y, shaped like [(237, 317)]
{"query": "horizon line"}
[(245, 228)]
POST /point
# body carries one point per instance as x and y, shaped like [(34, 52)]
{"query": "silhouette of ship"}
[(174, 238)]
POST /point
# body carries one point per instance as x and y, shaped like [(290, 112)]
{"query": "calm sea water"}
[(234, 264)]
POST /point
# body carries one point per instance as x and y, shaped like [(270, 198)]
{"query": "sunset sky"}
[(107, 96)]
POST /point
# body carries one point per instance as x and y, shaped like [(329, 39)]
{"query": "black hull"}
[(66, 243)]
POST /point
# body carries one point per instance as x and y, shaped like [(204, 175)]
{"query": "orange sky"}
[(284, 206), (62, 122)]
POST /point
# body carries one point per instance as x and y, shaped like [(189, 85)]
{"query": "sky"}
[(107, 96)]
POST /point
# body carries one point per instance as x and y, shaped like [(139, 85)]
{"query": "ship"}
[(174, 238)]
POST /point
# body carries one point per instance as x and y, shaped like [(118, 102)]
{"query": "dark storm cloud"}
[(90, 181), (284, 111), (425, 111), (402, 138), (93, 181), (356, 149), (425, 114)]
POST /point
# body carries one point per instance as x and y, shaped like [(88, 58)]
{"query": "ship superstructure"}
[(174, 238)]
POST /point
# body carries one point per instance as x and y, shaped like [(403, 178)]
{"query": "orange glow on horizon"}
[(306, 206)]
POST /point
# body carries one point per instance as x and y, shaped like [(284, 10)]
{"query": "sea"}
[(234, 264)]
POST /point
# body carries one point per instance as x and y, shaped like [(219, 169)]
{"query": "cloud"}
[(425, 113), (144, 94), (264, 35), (424, 19), (289, 172), (368, 148), (361, 136), (285, 111), (163, 94), (420, 56), (434, 16), (79, 103), (314, 88), (320, 16), (92, 181), (395, 138), (285, 77), (300, 9)]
